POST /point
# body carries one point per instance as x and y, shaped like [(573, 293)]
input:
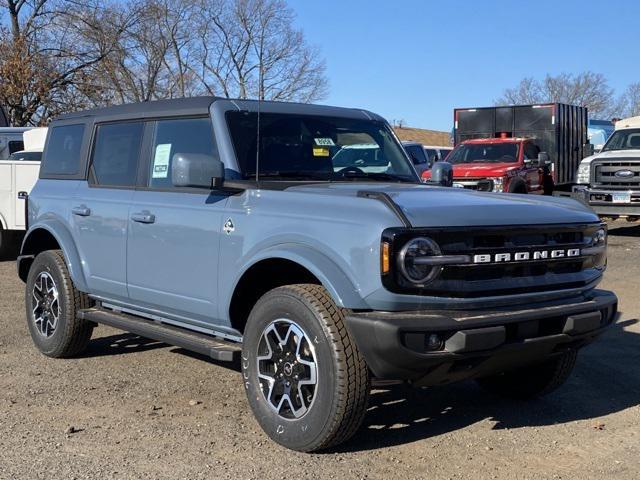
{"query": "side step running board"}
[(216, 348)]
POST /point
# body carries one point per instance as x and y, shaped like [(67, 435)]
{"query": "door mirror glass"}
[(196, 170)]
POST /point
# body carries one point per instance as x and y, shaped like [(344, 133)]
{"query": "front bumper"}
[(477, 343), (600, 200)]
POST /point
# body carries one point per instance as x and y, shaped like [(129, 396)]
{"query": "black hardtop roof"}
[(201, 105)]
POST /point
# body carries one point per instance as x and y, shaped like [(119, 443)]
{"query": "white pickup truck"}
[(17, 178), (609, 182)]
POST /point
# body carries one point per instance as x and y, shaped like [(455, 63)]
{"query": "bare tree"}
[(47, 48), (630, 101), (587, 89), (250, 49)]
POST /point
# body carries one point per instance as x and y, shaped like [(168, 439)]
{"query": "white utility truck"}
[(609, 182), (17, 178)]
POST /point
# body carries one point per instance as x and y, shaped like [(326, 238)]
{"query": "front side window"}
[(179, 137), (62, 152), (309, 147), (116, 152), (484, 153), (531, 151), (624, 140)]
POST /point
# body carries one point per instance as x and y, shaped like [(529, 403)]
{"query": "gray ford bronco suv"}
[(298, 241)]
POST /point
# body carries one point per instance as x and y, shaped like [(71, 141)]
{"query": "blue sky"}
[(417, 60)]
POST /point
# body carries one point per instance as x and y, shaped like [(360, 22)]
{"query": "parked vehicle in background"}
[(418, 156), (609, 182), (599, 133), (11, 140), (33, 145), (437, 154), (299, 240), (498, 148), (424, 156), (18, 175), (513, 165)]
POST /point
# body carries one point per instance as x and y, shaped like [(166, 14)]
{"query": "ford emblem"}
[(624, 174)]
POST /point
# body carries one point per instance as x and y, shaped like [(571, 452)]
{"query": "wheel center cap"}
[(288, 369)]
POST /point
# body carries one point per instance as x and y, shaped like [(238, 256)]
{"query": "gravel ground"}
[(132, 408)]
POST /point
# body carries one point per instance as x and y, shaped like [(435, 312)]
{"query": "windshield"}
[(32, 156), (624, 140), (309, 147), (485, 153)]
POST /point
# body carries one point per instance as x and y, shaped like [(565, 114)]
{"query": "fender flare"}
[(341, 288), (63, 236)]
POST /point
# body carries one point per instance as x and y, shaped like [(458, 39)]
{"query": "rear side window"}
[(187, 136), (62, 155), (16, 146), (115, 154)]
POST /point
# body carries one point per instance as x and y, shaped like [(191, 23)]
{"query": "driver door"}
[(534, 175)]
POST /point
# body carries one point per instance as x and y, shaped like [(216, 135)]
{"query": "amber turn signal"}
[(384, 257)]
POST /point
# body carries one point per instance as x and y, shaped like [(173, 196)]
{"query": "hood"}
[(478, 170), (427, 206), (612, 154)]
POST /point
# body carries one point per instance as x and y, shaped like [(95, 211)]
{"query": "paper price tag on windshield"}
[(324, 142), (161, 161), (320, 152)]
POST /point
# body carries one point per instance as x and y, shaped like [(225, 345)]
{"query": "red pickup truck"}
[(500, 165)]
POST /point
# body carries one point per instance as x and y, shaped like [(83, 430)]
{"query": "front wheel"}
[(533, 380), (306, 381)]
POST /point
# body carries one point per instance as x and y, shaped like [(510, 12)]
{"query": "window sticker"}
[(320, 152), (161, 161), (324, 142)]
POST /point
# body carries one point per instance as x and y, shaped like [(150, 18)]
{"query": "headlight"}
[(498, 184), (583, 173), (409, 261)]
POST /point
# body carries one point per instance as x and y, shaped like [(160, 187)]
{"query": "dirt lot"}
[(130, 408)]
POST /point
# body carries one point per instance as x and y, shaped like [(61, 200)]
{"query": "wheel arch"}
[(51, 235), (285, 266), (518, 185), (3, 223)]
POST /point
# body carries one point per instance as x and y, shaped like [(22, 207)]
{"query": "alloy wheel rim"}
[(46, 305), (287, 369)]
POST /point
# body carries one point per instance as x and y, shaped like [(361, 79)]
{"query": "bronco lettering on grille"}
[(526, 256)]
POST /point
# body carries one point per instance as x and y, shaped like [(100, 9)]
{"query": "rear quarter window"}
[(62, 154)]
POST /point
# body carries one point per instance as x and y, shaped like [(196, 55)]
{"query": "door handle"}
[(143, 217), (81, 211)]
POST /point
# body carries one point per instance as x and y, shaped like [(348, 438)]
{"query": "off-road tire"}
[(342, 391), (532, 381), (72, 334)]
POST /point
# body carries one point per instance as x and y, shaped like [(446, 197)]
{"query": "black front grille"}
[(606, 174), (478, 280)]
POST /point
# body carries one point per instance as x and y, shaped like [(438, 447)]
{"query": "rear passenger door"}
[(174, 232), (100, 207)]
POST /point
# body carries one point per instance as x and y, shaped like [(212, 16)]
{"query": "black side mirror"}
[(441, 174), (196, 170), (543, 159), (589, 149)]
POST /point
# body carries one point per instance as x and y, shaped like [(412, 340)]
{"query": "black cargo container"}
[(560, 130)]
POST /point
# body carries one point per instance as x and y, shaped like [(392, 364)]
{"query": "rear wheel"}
[(306, 381), (533, 380), (52, 304)]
